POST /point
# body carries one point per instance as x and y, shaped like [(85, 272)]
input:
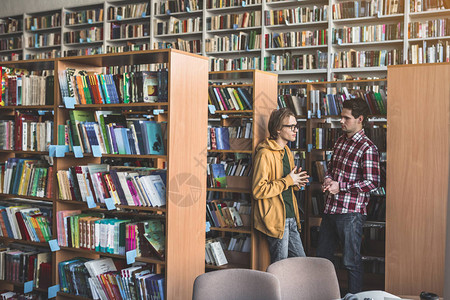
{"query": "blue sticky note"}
[(60, 151), (53, 245), (208, 226), (41, 112), (212, 109), (158, 111), (244, 3), (96, 152), (224, 116), (33, 27), (52, 291), (131, 256), (379, 14), (90, 202), (52, 150), (36, 45), (246, 48), (235, 26), (168, 11), (77, 151), (119, 17), (188, 9), (329, 154), (319, 114), (339, 41), (90, 21), (81, 40), (309, 147), (309, 114), (28, 286), (88, 40), (69, 102), (110, 204)]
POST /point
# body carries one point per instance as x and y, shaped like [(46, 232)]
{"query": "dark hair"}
[(276, 121), (358, 107)]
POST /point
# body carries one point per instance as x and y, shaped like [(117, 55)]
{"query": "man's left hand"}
[(333, 187)]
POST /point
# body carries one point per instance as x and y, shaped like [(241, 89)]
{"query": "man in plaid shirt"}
[(353, 172)]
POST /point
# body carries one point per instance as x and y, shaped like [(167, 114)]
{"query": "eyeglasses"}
[(293, 126)]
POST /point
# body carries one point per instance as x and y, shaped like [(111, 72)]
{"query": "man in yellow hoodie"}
[(274, 178)]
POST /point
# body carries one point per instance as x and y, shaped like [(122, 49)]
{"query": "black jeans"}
[(346, 228)]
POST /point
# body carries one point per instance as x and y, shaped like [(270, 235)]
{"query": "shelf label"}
[(96, 151), (309, 147), (131, 256), (88, 40), (90, 21), (168, 12), (235, 26), (110, 204), (224, 116), (339, 41), (144, 14), (208, 226), (53, 245), (244, 4), (51, 150), (36, 45), (77, 152), (33, 27), (119, 17), (52, 291), (309, 114), (379, 14), (158, 111), (246, 48), (28, 286), (81, 40), (212, 109), (90, 202), (41, 112), (319, 114), (69, 102), (61, 150), (329, 154), (188, 9)]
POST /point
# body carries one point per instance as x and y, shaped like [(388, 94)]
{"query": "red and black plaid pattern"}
[(355, 164)]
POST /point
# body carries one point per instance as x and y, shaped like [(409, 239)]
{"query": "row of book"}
[(297, 15), (289, 61), (359, 9), (297, 38), (296, 103), (11, 43), (84, 51), (93, 34), (218, 171), (419, 5), (21, 264), (174, 25), (125, 186), (125, 31), (426, 29), (127, 48), (426, 53), (41, 22), (52, 53), (100, 279), (38, 40), (319, 170), (229, 64), (26, 177), (219, 137), (376, 210), (317, 203), (229, 98), (174, 6), (233, 21), (10, 25), (370, 58), (192, 46), (11, 56), (370, 33), (300, 140), (128, 11), (94, 231), (230, 3), (112, 133), (128, 87), (26, 222), (215, 249), (26, 133), (84, 17), (27, 89), (234, 42), (227, 214), (324, 138), (377, 134)]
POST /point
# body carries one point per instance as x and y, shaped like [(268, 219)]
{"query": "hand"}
[(326, 183), (333, 187), (299, 177)]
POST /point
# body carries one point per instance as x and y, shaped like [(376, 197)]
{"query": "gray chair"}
[(306, 278), (236, 284)]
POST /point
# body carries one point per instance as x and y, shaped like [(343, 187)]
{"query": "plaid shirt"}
[(355, 166)]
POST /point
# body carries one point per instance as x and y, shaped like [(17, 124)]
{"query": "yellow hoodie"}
[(269, 215)]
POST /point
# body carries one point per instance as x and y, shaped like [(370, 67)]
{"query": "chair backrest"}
[(306, 278), (236, 284)]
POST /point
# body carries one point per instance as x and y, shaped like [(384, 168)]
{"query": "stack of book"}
[(227, 213), (126, 186)]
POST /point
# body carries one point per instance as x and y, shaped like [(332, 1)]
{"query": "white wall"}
[(17, 7)]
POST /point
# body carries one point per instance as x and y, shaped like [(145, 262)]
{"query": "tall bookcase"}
[(264, 89), (418, 147), (185, 112), (319, 133)]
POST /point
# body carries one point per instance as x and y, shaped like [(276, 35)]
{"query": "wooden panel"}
[(265, 101), (186, 184), (417, 178)]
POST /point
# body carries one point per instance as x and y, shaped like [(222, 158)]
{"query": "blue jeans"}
[(290, 245), (348, 229)]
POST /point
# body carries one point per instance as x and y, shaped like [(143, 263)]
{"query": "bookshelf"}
[(417, 204), (317, 135), (183, 259), (262, 90), (322, 55)]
